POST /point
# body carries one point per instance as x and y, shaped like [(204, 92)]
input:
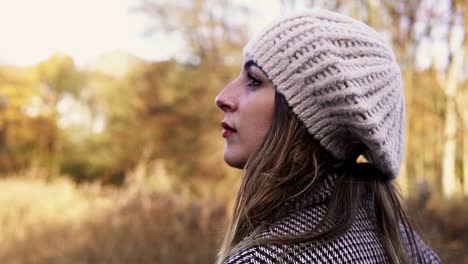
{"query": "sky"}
[(32, 30)]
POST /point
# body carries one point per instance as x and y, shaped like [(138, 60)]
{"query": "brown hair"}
[(287, 164)]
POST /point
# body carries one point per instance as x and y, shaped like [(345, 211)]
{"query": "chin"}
[(235, 162)]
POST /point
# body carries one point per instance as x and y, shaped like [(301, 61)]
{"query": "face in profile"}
[(248, 105)]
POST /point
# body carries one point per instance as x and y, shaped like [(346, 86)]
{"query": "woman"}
[(316, 91)]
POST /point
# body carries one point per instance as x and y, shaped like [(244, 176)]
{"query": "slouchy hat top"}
[(341, 79)]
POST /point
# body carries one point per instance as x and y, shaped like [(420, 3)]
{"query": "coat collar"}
[(319, 193)]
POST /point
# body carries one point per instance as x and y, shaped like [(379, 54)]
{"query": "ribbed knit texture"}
[(342, 81), (359, 244)]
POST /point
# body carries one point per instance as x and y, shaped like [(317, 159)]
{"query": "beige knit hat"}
[(341, 79)]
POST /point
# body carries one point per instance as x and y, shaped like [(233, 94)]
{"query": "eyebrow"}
[(250, 63)]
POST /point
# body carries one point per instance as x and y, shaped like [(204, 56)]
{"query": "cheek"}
[(258, 117), (258, 128), (262, 107)]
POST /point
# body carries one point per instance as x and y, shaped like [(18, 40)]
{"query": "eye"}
[(253, 82)]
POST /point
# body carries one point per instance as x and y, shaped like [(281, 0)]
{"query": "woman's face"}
[(248, 105)]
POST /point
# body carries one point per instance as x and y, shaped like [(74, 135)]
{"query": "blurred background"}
[(110, 145)]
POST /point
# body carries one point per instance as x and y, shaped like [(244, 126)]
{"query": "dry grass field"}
[(58, 222)]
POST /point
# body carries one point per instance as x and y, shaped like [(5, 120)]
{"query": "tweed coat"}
[(359, 244)]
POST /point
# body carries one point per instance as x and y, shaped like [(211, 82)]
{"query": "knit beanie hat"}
[(343, 82)]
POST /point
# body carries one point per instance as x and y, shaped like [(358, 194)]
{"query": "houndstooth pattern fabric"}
[(359, 244), (341, 79)]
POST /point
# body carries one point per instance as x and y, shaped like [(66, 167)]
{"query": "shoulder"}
[(248, 255), (336, 251), (360, 243), (428, 254), (274, 254)]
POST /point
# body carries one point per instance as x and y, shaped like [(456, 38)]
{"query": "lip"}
[(227, 129), (226, 133)]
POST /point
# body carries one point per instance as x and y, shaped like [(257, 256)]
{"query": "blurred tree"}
[(25, 135), (156, 109), (212, 30), (462, 99), (59, 75), (463, 103), (449, 80)]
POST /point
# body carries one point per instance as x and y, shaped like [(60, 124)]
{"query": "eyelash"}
[(253, 82)]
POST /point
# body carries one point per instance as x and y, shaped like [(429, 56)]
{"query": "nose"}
[(226, 99)]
